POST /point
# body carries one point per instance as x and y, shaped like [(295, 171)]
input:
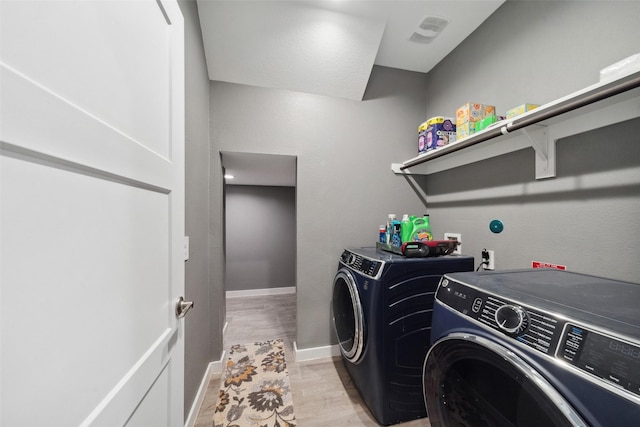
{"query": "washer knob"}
[(512, 319)]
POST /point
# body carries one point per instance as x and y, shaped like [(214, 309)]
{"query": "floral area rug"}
[(254, 389)]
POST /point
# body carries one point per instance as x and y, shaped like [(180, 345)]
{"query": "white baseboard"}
[(315, 352), (213, 368), (260, 292)]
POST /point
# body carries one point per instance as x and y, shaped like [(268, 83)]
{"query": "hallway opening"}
[(259, 223)]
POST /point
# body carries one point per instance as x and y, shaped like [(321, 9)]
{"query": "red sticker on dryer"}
[(538, 264)]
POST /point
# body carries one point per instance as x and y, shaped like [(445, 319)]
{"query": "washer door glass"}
[(347, 315), (470, 381)]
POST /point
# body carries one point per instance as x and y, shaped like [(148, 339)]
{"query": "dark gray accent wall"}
[(260, 237), (587, 217), (345, 187), (203, 324)]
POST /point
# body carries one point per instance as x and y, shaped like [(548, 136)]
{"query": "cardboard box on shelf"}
[(520, 109), (465, 130), (471, 112), (488, 122)]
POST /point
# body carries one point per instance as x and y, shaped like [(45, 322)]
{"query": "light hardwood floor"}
[(323, 394)]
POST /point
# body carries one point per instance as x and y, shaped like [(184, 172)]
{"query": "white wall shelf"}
[(602, 104)]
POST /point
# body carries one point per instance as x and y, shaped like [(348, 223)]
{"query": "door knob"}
[(182, 307)]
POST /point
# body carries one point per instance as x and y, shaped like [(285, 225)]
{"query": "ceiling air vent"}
[(429, 29)]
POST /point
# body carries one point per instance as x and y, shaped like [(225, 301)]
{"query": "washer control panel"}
[(367, 266), (607, 357), (533, 328), (600, 356)]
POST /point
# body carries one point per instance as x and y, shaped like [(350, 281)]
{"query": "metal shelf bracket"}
[(545, 148)]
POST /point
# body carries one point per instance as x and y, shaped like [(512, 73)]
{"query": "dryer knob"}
[(512, 319)]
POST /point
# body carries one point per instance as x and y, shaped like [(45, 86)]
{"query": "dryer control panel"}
[(368, 267)]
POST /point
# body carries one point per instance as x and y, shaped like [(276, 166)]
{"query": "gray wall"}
[(345, 187), (527, 51), (260, 237), (586, 218), (203, 325)]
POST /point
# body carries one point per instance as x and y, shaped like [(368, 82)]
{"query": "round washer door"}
[(348, 320), (470, 381)]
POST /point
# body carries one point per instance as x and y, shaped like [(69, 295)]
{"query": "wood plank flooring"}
[(323, 394)]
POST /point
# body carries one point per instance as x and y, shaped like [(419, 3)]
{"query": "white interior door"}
[(92, 213)]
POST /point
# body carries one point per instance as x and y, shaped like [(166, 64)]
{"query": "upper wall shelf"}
[(596, 106)]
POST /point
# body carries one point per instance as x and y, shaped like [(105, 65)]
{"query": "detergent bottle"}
[(389, 227), (406, 228), (421, 231), (396, 236)]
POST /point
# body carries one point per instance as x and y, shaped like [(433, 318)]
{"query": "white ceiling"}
[(323, 47), (328, 47)]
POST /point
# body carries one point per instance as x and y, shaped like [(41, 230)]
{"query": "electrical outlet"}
[(455, 236), (491, 265)]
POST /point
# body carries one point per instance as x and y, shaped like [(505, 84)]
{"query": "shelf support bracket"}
[(395, 167), (545, 151)]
